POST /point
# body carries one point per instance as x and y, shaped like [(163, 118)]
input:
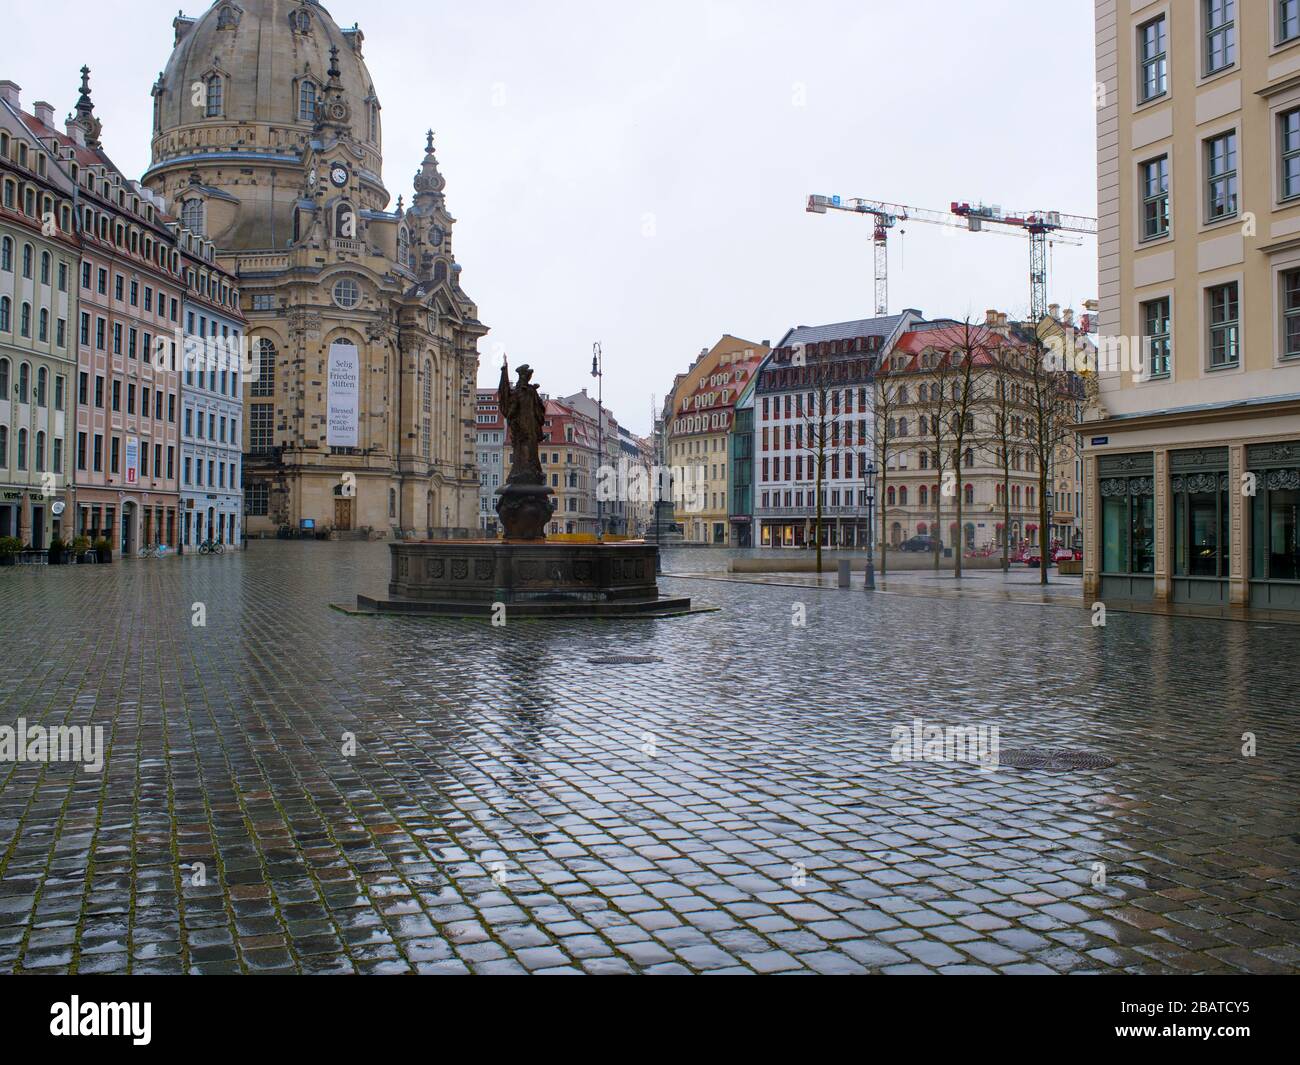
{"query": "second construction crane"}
[(1039, 226)]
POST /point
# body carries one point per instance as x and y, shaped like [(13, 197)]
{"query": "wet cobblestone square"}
[(516, 803)]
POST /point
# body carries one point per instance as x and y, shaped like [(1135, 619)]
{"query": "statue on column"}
[(523, 503)]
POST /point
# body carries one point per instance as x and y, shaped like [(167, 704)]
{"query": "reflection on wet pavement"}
[(718, 797)]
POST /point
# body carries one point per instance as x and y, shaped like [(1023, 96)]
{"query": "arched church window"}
[(426, 412), (374, 123), (215, 94), (227, 19), (192, 216), (440, 271), (345, 222), (300, 20), (264, 383), (403, 246), (307, 101)]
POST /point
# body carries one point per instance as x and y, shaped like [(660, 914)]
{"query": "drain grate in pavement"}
[(1052, 758), (624, 660)]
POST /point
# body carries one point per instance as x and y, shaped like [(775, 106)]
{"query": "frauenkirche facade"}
[(359, 412)]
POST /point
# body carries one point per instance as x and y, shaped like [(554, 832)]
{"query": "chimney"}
[(74, 132), (1069, 316), (1054, 310), (45, 113), (11, 93), (990, 317)]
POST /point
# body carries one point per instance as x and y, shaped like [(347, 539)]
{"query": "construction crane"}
[(960, 216), (1041, 226)]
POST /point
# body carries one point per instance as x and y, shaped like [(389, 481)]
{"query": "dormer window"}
[(300, 20), (215, 96), (192, 215), (307, 101)]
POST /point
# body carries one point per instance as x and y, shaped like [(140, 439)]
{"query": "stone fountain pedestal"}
[(467, 578)]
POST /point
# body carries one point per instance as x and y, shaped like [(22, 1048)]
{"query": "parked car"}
[(919, 543)]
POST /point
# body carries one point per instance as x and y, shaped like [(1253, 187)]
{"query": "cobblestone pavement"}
[(517, 803)]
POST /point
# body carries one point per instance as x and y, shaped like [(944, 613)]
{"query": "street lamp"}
[(869, 485), (598, 372)]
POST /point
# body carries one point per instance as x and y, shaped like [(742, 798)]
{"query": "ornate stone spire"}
[(429, 183), (90, 125), (335, 111)]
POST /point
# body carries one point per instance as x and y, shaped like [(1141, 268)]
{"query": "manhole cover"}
[(1052, 758), (624, 660)]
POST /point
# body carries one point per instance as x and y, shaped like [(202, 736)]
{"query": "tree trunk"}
[(1006, 521), (960, 544), (881, 485), (1043, 547)]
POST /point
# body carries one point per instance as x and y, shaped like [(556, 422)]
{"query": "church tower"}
[(359, 403)]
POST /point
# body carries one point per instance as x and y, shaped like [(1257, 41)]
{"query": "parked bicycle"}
[(153, 551), (212, 547)]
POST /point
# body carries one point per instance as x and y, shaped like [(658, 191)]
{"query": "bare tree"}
[(1052, 395), (968, 353), (936, 402), (1002, 401), (890, 397)]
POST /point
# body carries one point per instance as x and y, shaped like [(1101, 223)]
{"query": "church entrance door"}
[(342, 514)]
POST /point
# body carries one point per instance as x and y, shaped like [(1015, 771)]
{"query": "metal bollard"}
[(844, 572)]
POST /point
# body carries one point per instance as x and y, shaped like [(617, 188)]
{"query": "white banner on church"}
[(344, 382)]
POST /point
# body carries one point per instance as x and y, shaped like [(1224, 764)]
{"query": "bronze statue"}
[(523, 506), (524, 412)]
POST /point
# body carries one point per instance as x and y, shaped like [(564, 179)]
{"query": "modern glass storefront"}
[(1201, 522), (1179, 525), (1128, 521), (1275, 525)]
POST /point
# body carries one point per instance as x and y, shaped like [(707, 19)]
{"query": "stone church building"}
[(359, 407)]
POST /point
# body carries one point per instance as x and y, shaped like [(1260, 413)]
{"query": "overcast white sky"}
[(636, 173)]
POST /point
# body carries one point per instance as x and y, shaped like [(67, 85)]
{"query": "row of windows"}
[(37, 204), (25, 323), (127, 340), (308, 96), (23, 385), (29, 261), (115, 456), (129, 294), (216, 426), (795, 404), (1223, 326), (192, 473), (1218, 45), (116, 393), (21, 455)]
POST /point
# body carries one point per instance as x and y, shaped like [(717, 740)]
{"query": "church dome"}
[(250, 85)]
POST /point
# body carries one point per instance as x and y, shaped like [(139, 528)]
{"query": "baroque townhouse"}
[(491, 452), (126, 459), (819, 376), (212, 400), (38, 269), (911, 485), (568, 452), (1192, 441), (612, 512), (700, 431)]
